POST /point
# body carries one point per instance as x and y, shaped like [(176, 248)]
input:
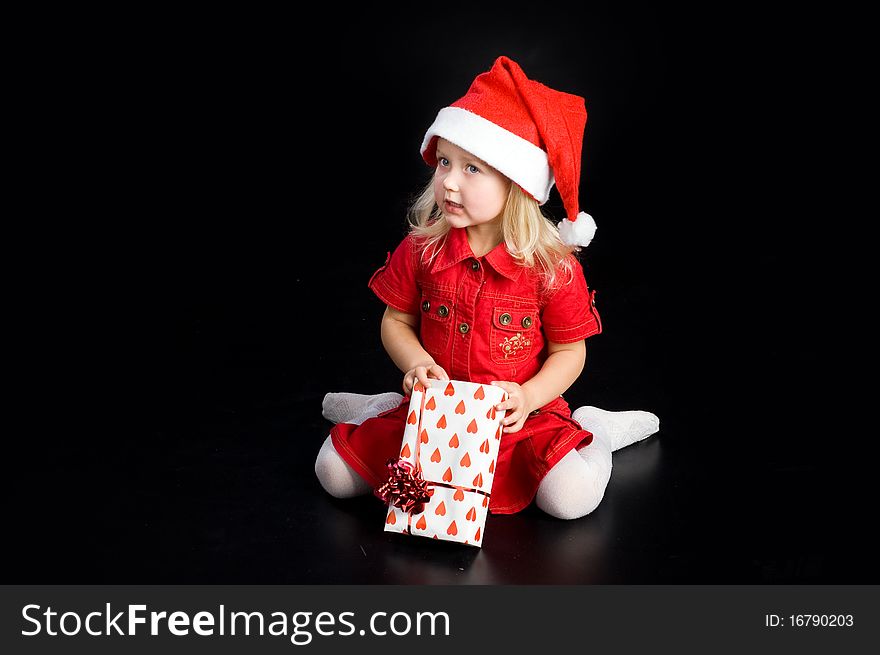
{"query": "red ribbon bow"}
[(405, 487)]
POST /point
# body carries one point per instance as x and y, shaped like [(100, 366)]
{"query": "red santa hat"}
[(527, 131)]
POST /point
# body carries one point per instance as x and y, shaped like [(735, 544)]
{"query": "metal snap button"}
[(527, 322), (505, 319), (475, 265), (443, 310), (426, 306), (463, 328)]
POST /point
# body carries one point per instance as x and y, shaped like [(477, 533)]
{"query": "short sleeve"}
[(570, 313), (395, 281)]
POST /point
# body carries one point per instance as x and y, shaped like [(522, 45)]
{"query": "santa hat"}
[(527, 131)]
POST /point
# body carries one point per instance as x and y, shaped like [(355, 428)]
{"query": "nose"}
[(450, 181)]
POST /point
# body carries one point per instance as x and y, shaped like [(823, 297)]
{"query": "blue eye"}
[(476, 170), (443, 161)]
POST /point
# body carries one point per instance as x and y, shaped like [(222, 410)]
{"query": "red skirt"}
[(524, 457)]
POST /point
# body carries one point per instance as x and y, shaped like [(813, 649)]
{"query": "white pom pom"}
[(578, 233)]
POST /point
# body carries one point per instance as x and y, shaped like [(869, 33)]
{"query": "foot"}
[(357, 407), (619, 429)]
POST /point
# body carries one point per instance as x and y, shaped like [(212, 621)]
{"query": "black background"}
[(219, 190)]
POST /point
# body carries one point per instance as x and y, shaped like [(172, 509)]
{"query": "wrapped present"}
[(440, 484)]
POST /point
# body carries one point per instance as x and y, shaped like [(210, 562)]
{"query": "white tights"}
[(573, 488)]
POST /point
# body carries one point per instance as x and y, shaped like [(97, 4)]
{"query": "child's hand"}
[(517, 406), (421, 373)]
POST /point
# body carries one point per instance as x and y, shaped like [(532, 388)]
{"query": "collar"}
[(456, 249)]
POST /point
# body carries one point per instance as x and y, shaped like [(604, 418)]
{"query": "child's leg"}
[(619, 429), (336, 476), (357, 407), (575, 486), (334, 473)]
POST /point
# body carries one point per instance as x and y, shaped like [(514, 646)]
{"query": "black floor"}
[(201, 471)]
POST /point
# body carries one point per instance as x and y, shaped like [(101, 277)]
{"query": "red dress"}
[(481, 319)]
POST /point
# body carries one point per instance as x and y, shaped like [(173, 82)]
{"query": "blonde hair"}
[(530, 237)]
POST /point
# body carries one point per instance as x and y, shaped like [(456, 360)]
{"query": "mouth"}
[(455, 205)]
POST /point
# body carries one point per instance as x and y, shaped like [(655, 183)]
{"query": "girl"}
[(486, 289)]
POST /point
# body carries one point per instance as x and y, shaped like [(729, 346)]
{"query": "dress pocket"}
[(512, 334), (436, 311)]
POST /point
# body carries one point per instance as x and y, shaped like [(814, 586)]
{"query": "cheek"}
[(494, 197), (439, 191)]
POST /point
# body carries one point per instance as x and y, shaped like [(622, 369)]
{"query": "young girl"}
[(486, 289)]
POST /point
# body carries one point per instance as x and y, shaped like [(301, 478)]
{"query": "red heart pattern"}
[(457, 491)]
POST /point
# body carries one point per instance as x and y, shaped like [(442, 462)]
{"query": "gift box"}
[(439, 486)]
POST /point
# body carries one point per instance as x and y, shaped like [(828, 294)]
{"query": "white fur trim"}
[(520, 160), (578, 233)]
